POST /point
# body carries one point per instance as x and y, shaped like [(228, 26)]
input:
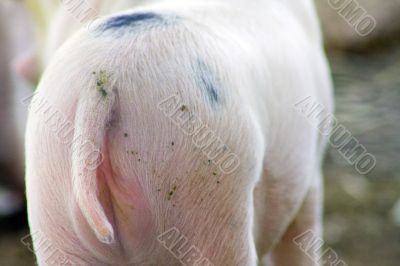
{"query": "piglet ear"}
[(26, 66)]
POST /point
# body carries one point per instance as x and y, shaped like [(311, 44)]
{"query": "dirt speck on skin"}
[(102, 79), (171, 193)]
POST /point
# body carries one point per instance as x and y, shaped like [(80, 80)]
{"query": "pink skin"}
[(124, 202)]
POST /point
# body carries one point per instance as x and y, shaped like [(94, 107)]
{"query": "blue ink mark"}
[(130, 20), (208, 82)]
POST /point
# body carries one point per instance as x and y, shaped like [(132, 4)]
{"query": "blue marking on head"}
[(130, 20), (208, 82)]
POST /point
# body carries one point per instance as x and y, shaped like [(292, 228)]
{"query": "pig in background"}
[(17, 71)]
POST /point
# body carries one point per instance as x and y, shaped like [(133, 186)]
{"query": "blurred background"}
[(362, 212)]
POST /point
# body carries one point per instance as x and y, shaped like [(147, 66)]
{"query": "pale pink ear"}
[(26, 66)]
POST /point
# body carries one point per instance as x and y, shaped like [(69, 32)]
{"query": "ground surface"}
[(359, 210)]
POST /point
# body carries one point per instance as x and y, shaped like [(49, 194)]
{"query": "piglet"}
[(168, 134)]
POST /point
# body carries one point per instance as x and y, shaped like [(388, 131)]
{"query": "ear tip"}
[(25, 65)]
